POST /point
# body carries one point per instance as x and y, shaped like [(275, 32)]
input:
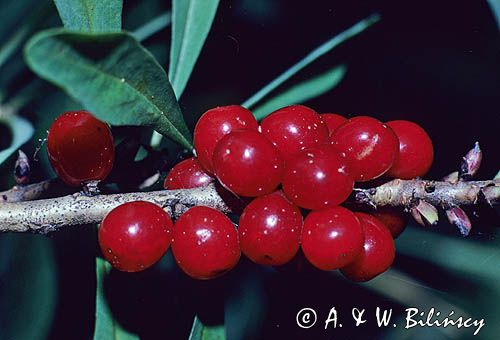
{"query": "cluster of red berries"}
[(316, 159)]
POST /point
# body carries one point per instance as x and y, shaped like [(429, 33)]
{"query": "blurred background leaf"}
[(300, 93), (106, 327), (21, 130), (28, 287), (204, 332), (91, 15), (311, 57)]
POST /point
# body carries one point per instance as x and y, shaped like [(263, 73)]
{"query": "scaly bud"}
[(22, 169), (425, 213), (471, 162), (459, 218)]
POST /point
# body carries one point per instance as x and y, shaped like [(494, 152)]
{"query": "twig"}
[(47, 215), (438, 193), (43, 216), (31, 192)]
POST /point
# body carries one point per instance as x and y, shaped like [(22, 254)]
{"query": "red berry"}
[(205, 243), (393, 218), (187, 174), (294, 128), (416, 152), (270, 229), (215, 124), (135, 235), (333, 121), (317, 178), (369, 145), (332, 238), (247, 164), (377, 254), (80, 148)]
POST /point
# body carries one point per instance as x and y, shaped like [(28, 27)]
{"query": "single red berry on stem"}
[(270, 229), (135, 235), (215, 124), (317, 178), (294, 128), (377, 254), (416, 152), (247, 164), (333, 121), (186, 175), (205, 243), (332, 238), (393, 218), (369, 145), (80, 148)]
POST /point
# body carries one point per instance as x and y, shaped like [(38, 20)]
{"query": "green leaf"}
[(113, 76), (191, 22), (106, 327), (91, 15), (22, 131), (28, 286), (311, 57), (199, 331), (302, 92)]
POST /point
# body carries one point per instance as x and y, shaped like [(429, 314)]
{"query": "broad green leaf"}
[(28, 285), (302, 92), (22, 131), (199, 331), (311, 57), (91, 15), (191, 22), (106, 327), (112, 75)]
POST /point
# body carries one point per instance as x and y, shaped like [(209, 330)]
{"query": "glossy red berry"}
[(294, 128), (205, 243), (377, 254), (416, 152), (332, 238), (135, 235), (393, 218), (333, 121), (317, 178), (187, 174), (369, 145), (215, 124), (247, 164), (80, 148), (270, 229)]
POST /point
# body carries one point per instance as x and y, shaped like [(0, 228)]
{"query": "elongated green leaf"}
[(28, 285), (303, 91), (112, 75), (91, 15), (22, 131), (191, 22), (199, 331), (106, 327), (311, 57)]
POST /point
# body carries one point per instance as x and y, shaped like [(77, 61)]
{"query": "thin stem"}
[(312, 56)]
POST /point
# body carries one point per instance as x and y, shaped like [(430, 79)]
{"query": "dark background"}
[(434, 62)]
